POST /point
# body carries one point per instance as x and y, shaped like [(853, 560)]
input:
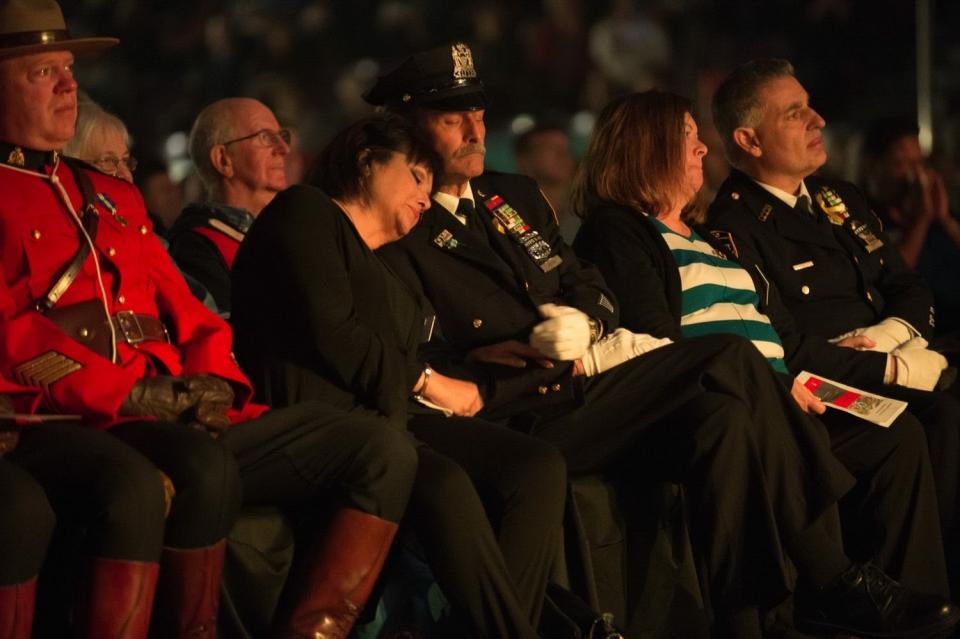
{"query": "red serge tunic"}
[(128, 271)]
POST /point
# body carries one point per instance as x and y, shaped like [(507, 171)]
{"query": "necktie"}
[(465, 208), (804, 206)]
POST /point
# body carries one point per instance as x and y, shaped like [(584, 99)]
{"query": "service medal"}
[(520, 232)]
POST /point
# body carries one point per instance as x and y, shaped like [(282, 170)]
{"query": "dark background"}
[(556, 59)]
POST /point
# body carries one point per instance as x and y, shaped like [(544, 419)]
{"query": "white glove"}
[(618, 347), (564, 334), (917, 367), (889, 334)]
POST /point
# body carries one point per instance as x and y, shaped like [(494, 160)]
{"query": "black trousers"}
[(711, 411), (473, 473), (891, 515), (26, 525), (97, 483), (313, 451)]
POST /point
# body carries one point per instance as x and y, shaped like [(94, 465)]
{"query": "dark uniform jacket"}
[(38, 238), (485, 288), (204, 242), (826, 277), (638, 265), (317, 314)]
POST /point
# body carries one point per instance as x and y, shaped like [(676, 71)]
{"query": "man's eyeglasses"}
[(265, 137), (111, 164)]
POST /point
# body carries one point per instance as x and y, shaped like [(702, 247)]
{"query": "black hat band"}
[(26, 38)]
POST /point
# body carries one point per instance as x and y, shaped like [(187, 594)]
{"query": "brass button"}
[(111, 251), (477, 323), (856, 260), (35, 233), (881, 261), (121, 299), (542, 390), (805, 289), (734, 196), (555, 388), (526, 286), (143, 229), (869, 296), (84, 332)]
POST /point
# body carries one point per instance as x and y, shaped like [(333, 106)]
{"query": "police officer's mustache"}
[(469, 149)]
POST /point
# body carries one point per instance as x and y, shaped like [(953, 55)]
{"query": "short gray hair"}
[(735, 104), (214, 125), (91, 119)]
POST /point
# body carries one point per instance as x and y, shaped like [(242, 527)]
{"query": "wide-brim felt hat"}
[(34, 26), (442, 78)]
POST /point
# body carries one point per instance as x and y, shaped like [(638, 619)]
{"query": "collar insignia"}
[(446, 240), (16, 157)]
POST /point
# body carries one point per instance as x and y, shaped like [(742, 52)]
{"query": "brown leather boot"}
[(16, 609), (189, 591), (118, 600), (341, 574)]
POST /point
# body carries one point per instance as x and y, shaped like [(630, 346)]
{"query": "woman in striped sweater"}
[(636, 190)]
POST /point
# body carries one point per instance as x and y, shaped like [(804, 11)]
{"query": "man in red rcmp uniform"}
[(94, 315)]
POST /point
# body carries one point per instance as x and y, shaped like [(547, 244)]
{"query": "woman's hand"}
[(808, 402), (457, 395)]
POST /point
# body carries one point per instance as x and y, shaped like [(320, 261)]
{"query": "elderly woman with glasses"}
[(101, 140)]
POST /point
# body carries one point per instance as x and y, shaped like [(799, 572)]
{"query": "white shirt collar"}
[(450, 202), (787, 198)]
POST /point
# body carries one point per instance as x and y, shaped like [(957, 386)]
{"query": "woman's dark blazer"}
[(318, 316), (637, 265)]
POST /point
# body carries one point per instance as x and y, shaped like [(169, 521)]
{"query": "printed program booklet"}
[(869, 406)]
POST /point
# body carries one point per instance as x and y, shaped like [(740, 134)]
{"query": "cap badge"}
[(462, 62)]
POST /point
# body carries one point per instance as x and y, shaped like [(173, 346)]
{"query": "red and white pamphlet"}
[(869, 406)]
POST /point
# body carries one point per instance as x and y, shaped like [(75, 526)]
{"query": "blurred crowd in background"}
[(549, 66)]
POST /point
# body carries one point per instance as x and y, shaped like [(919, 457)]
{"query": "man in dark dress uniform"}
[(841, 280), (521, 312), (240, 153)]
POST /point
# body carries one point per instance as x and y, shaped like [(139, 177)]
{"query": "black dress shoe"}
[(863, 601)]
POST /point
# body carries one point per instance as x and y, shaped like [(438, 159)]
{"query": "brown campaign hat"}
[(32, 26), (443, 78)]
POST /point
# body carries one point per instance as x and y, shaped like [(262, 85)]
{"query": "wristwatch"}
[(596, 329), (427, 372)]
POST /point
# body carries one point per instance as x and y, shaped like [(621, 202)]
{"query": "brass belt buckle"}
[(129, 325)]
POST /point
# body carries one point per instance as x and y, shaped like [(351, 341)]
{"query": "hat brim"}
[(79, 46)]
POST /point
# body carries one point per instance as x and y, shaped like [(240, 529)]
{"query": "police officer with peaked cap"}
[(521, 311)]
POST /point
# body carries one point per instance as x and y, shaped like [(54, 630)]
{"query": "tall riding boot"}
[(189, 591), (118, 600), (340, 576), (16, 609)]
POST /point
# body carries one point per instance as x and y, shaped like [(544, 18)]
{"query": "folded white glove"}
[(564, 334), (889, 334), (618, 347), (917, 367)]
